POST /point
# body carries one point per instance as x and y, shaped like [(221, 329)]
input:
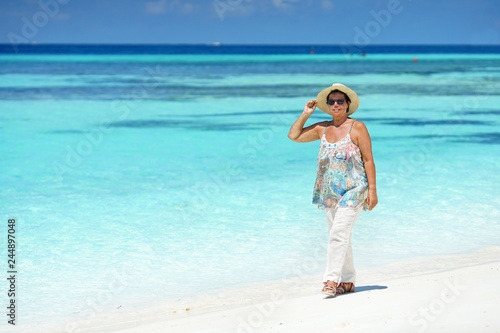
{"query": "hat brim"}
[(323, 94)]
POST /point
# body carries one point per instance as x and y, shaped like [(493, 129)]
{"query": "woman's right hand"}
[(310, 106)]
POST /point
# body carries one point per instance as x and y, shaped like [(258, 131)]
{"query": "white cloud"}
[(62, 17), (156, 8), (284, 4), (327, 4), (188, 8), (245, 10), (233, 8), (167, 6)]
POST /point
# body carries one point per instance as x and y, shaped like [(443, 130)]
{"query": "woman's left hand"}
[(372, 198)]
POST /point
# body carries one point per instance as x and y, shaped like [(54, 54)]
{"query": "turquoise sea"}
[(138, 177)]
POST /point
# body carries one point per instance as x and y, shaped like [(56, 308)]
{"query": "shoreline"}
[(421, 292)]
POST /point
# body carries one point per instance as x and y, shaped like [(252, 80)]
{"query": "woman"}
[(345, 180)]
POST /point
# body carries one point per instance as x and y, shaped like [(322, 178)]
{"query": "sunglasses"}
[(339, 101)]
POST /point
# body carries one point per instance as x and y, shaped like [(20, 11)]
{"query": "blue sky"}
[(251, 21)]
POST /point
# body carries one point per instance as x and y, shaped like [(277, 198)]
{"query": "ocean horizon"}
[(226, 48)]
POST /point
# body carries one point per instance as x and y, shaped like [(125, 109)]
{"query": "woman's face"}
[(336, 109)]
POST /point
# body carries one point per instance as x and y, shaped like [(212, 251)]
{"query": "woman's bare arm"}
[(363, 140), (300, 134)]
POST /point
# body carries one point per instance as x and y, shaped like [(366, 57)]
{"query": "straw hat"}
[(323, 94)]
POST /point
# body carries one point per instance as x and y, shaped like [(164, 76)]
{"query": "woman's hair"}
[(343, 93)]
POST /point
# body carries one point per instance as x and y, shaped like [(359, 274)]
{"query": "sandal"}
[(345, 287), (330, 288)]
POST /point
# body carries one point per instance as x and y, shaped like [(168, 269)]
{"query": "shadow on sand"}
[(368, 288), (360, 289)]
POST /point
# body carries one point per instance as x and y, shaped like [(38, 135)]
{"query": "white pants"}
[(339, 261)]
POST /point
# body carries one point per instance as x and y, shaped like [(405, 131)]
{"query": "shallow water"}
[(137, 178)]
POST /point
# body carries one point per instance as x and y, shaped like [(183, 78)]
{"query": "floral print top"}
[(340, 177)]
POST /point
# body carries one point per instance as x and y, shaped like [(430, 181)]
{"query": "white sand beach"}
[(451, 293)]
